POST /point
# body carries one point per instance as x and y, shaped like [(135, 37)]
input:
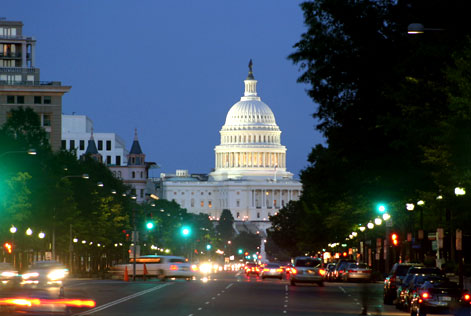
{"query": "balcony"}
[(10, 55), (19, 70), (29, 83), (15, 37)]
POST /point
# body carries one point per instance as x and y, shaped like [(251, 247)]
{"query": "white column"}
[(23, 55)]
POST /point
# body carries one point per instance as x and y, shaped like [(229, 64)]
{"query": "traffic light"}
[(382, 208), (185, 231), (394, 239), (208, 247), (149, 222), (240, 251), (8, 247)]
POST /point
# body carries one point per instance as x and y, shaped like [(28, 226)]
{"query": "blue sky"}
[(172, 69)]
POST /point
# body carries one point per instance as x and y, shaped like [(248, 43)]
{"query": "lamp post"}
[(459, 247)]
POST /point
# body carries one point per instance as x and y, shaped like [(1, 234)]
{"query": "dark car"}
[(394, 279), (440, 296), (341, 268), (413, 286), (403, 290)]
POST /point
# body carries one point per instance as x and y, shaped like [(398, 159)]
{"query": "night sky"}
[(172, 69)]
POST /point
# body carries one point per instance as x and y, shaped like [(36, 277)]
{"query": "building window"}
[(269, 213), (142, 193), (82, 144), (134, 175), (108, 145), (238, 215), (108, 160), (142, 175), (63, 144), (118, 160), (209, 193), (174, 193), (20, 99), (10, 99), (192, 203), (202, 203), (72, 144), (100, 145), (202, 193), (119, 174), (258, 214), (37, 99), (183, 193), (192, 193), (238, 203), (210, 204), (47, 120), (238, 193), (47, 100)]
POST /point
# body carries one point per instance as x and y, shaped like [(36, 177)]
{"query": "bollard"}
[(126, 275)]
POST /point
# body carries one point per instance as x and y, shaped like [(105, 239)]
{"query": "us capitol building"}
[(250, 176)]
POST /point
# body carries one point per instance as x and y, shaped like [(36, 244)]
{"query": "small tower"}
[(92, 150), (136, 157)]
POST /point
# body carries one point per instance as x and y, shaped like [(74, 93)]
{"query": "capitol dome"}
[(250, 140)]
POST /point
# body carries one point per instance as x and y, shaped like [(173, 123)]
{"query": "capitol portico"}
[(250, 176)]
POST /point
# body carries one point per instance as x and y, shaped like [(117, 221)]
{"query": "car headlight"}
[(30, 275), (9, 274), (58, 274)]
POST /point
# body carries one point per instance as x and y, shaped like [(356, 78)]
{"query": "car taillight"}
[(425, 295), (174, 267), (257, 269), (29, 302), (341, 271), (321, 271), (266, 270), (294, 271), (467, 297), (350, 271), (392, 280), (279, 270), (194, 267)]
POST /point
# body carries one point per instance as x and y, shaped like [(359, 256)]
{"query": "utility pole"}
[(135, 239), (71, 249)]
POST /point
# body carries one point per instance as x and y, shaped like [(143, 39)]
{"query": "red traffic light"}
[(8, 247), (394, 239)]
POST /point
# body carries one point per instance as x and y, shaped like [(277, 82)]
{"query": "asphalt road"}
[(226, 294)]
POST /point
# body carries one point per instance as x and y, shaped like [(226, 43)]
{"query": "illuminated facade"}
[(250, 176)]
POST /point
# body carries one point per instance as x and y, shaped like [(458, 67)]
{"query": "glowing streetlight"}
[(410, 206), (370, 225), (13, 229), (29, 232), (378, 221), (386, 216), (460, 191), (41, 235), (362, 228)]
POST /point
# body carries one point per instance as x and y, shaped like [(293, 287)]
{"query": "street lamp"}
[(41, 235), (370, 225), (362, 228), (460, 191), (29, 231), (378, 221), (13, 229)]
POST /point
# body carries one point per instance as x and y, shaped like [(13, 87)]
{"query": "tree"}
[(381, 102), (225, 225)]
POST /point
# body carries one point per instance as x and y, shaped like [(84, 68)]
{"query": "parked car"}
[(415, 283), (357, 272), (394, 279), (272, 270), (440, 296), (307, 270), (403, 298)]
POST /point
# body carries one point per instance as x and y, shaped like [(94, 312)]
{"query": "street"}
[(227, 293)]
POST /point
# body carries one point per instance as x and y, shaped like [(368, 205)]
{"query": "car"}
[(340, 269), (394, 279), (329, 271), (272, 270), (252, 268), (45, 274), (307, 270), (415, 276), (440, 296), (357, 272), (8, 274)]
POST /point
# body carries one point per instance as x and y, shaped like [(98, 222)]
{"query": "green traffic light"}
[(382, 208), (208, 247), (240, 251), (150, 225), (185, 231)]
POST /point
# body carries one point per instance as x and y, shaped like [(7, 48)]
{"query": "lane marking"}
[(286, 288), (284, 312), (190, 315), (200, 308), (121, 300), (343, 290), (219, 294), (213, 298), (206, 303), (227, 287)]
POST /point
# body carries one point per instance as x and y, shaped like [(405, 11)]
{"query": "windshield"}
[(307, 263)]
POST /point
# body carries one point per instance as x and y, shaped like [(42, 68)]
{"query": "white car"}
[(44, 274), (307, 270)]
